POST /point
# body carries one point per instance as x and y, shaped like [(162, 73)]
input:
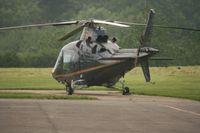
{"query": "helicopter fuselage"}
[(84, 60), (94, 63)]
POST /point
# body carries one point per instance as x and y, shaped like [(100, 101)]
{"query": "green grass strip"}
[(16, 95)]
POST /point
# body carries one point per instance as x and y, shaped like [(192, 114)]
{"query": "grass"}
[(166, 81), (41, 96), (28, 78)]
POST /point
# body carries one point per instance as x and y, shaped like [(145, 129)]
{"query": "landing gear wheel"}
[(69, 89), (126, 91)]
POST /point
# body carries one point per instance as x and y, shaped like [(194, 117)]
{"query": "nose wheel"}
[(69, 89), (125, 89)]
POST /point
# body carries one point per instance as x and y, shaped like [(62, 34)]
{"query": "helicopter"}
[(96, 60)]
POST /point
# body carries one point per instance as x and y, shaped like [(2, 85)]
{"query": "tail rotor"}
[(145, 42)]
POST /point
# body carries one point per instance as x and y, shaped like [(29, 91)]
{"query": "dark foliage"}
[(38, 47)]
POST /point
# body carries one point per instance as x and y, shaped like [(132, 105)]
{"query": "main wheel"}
[(126, 91), (69, 89)]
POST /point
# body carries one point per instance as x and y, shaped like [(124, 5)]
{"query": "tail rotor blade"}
[(145, 69), (146, 36), (145, 41)]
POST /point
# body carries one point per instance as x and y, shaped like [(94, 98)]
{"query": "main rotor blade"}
[(110, 23), (129, 23), (40, 25), (178, 28), (68, 35), (159, 26)]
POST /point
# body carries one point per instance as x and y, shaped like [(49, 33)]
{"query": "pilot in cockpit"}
[(99, 44)]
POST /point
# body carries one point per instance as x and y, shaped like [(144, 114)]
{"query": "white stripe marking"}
[(182, 110)]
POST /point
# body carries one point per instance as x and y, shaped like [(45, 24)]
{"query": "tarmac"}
[(112, 113)]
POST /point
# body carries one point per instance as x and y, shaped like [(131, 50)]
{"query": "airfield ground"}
[(111, 113), (101, 111), (182, 82)]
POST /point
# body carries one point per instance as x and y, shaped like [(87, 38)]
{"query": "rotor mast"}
[(92, 30)]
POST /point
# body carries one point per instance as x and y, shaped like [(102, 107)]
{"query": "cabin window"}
[(67, 58), (67, 62)]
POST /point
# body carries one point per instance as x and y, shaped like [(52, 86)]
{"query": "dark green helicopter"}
[(94, 60)]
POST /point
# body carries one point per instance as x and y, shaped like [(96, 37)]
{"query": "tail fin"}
[(146, 36), (145, 42)]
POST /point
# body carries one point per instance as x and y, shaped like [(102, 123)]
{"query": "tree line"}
[(38, 47)]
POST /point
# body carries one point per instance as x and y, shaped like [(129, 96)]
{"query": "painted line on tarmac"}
[(182, 110)]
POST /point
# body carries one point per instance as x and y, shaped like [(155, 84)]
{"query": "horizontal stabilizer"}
[(122, 56)]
